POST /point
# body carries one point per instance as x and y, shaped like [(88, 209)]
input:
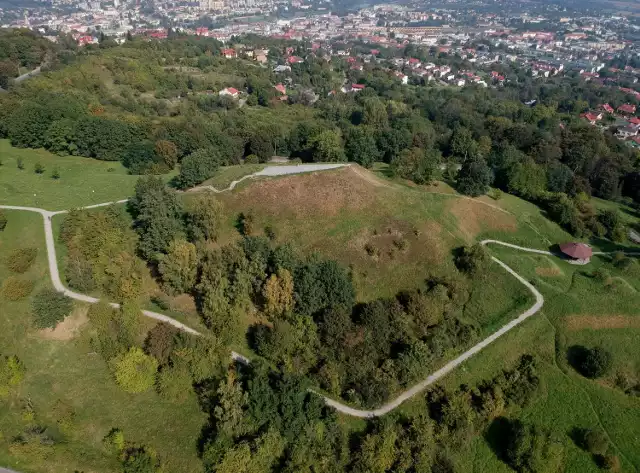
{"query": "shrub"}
[(596, 442), (14, 289), (140, 460), (472, 259), (11, 373), (50, 307), (20, 163), (55, 174), (531, 449), (174, 382), (38, 168), (3, 220), (114, 440), (246, 223), (496, 194), (252, 159), (602, 276), (592, 363), (134, 371), (21, 259), (159, 342), (198, 167), (270, 232)]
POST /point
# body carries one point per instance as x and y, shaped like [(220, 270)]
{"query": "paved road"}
[(272, 171), (27, 75), (446, 369)]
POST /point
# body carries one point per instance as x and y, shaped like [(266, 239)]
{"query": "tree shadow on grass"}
[(577, 435), (576, 355), (496, 436)]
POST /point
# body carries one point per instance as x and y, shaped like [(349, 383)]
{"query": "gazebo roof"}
[(577, 250)]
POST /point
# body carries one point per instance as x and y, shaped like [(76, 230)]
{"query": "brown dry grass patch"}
[(548, 272), (601, 322), (474, 217), (325, 193), (183, 303), (68, 328)]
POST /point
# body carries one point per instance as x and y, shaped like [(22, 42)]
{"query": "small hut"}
[(579, 253)]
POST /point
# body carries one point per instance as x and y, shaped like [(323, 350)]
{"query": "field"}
[(62, 369), (393, 236), (82, 182), (578, 311)]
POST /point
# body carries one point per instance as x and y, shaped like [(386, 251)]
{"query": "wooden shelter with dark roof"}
[(577, 251)]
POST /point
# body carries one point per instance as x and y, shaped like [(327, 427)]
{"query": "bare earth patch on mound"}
[(68, 328), (320, 193), (549, 272), (603, 322), (474, 217)]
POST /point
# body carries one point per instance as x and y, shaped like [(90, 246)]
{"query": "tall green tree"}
[(474, 177), (158, 216), (361, 146)]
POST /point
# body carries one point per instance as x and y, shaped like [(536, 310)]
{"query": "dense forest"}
[(154, 106)]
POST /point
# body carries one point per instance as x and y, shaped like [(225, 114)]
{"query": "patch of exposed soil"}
[(69, 328), (398, 240), (601, 322)]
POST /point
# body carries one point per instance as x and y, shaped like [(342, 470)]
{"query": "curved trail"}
[(283, 170), (272, 171), (450, 366), (386, 408)]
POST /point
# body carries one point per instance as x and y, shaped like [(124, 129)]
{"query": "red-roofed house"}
[(84, 40), (352, 88), (607, 108), (294, 60), (634, 121), (375, 52), (230, 92), (627, 109), (204, 31), (281, 88), (229, 53), (591, 117)]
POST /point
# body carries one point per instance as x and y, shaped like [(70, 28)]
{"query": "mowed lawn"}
[(82, 182), (63, 369)]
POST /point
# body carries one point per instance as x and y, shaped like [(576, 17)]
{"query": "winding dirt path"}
[(339, 406)]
